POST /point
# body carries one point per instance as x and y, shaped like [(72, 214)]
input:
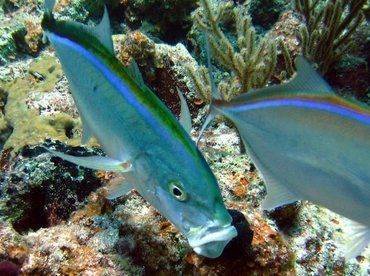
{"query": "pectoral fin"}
[(117, 187), (86, 131), (121, 185), (95, 162)]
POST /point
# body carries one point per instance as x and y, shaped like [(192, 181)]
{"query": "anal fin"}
[(277, 194), (357, 238)]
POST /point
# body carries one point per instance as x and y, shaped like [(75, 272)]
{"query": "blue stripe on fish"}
[(319, 103), (308, 144)]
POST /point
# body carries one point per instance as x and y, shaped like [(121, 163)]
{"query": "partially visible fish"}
[(141, 137), (308, 144)]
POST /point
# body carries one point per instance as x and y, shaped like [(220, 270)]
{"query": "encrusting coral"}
[(326, 35), (251, 63)]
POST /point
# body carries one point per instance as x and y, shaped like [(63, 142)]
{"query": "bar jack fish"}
[(307, 142), (142, 139)]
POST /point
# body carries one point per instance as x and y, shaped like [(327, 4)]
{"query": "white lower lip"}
[(213, 244), (222, 234)]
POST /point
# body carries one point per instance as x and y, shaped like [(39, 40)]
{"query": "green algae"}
[(27, 124)]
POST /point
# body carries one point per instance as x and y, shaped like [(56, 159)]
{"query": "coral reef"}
[(54, 217), (251, 63), (20, 30), (40, 190), (80, 10), (329, 26), (288, 48), (10, 35), (350, 77), (168, 20), (23, 118), (266, 12), (59, 250), (122, 236), (161, 66)]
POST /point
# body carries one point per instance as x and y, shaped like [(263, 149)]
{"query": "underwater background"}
[(54, 217)]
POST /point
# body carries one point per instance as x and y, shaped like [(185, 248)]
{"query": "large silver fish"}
[(308, 144), (141, 137)]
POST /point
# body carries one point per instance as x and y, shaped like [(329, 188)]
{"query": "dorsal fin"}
[(306, 82), (101, 32), (49, 5), (133, 70)]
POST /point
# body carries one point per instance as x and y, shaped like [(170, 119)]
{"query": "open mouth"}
[(211, 241)]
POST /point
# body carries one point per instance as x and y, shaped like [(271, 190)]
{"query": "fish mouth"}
[(210, 241)]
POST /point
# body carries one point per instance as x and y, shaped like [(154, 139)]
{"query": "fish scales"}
[(134, 127)]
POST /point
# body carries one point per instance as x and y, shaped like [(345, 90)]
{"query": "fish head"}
[(190, 198), (199, 213)]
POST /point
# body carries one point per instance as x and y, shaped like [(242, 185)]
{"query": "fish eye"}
[(177, 191)]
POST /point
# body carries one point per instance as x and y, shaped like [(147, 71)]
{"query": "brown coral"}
[(33, 37), (329, 25), (250, 62)]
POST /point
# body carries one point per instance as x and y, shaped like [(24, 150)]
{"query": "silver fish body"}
[(136, 130), (309, 144)]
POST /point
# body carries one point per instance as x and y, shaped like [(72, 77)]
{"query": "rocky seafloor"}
[(54, 217)]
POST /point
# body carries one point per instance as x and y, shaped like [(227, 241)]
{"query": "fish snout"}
[(210, 241)]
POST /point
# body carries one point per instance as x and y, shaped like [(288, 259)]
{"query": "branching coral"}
[(251, 63), (326, 36)]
